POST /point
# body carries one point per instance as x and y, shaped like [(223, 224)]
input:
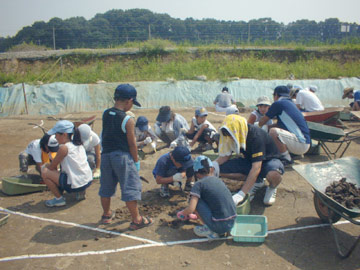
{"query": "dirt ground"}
[(66, 245)]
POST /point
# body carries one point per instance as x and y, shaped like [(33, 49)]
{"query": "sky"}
[(16, 14)]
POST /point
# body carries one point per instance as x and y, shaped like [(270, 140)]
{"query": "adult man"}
[(350, 93), (224, 100), (38, 152), (91, 143), (307, 101), (261, 158), (292, 133)]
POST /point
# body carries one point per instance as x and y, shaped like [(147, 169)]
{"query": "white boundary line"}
[(151, 243)]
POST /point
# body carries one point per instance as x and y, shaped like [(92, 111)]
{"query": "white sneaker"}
[(204, 231), (270, 196), (255, 188)]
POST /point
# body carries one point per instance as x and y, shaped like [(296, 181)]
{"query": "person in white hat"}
[(91, 143), (307, 101), (263, 104)]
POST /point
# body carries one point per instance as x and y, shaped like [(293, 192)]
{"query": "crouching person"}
[(211, 200), (75, 174)]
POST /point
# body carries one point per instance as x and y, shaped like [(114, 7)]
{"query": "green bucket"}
[(244, 208)]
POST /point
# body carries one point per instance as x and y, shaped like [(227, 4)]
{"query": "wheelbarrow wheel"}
[(324, 212)]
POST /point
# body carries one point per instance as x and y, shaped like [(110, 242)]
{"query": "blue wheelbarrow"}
[(323, 174)]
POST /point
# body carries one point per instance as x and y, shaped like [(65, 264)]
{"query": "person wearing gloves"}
[(173, 168), (201, 130), (38, 152), (263, 104), (170, 127), (91, 143), (211, 200), (291, 133), (261, 158), (75, 174), (119, 158), (144, 134)]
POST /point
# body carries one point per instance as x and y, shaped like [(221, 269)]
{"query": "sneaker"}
[(255, 188), (55, 202), (80, 195), (287, 163), (270, 196), (188, 186), (164, 191), (204, 231)]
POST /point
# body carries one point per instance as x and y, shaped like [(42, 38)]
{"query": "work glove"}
[(153, 146), (96, 174), (147, 140), (239, 197), (137, 165), (180, 215), (178, 177), (173, 144), (216, 168)]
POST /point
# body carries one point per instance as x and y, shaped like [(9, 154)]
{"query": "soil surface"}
[(65, 238)]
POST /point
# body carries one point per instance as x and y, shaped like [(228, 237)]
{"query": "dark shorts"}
[(204, 137), (63, 185), (119, 167), (243, 166)]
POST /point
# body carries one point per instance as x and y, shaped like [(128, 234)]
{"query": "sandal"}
[(107, 219), (136, 226)]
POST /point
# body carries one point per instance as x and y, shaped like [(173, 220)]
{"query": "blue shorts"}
[(219, 227), (119, 167), (243, 166), (63, 185)]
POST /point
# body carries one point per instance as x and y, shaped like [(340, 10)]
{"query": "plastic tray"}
[(249, 228), (20, 185)]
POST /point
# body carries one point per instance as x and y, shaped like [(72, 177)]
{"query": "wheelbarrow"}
[(331, 135), (321, 175), (329, 117)]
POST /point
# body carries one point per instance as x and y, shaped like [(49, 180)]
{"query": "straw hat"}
[(347, 91)]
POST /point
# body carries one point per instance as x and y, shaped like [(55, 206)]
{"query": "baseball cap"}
[(197, 163), (126, 91), (201, 112), (85, 133), (313, 88), (53, 144), (142, 123), (182, 155), (62, 126), (232, 110), (264, 100), (282, 91), (164, 114)]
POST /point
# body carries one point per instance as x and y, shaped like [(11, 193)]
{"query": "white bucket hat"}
[(264, 100)]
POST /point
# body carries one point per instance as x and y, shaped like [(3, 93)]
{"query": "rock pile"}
[(345, 193)]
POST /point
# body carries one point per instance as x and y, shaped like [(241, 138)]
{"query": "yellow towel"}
[(236, 125)]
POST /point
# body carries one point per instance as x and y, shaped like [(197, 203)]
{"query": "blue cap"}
[(142, 123), (282, 91), (182, 155), (164, 114), (62, 126), (201, 112), (126, 91), (197, 163)]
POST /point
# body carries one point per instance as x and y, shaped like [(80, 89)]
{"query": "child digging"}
[(211, 200), (119, 159)]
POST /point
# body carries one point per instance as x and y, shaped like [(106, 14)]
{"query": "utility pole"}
[(54, 38), (149, 32)]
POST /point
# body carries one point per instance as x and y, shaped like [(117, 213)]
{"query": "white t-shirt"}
[(206, 122), (308, 101), (34, 150), (93, 141), (76, 167)]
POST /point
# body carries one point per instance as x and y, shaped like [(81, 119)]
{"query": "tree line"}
[(117, 27)]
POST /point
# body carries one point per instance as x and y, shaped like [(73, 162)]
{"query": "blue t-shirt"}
[(357, 95), (164, 167), (290, 118), (217, 196)]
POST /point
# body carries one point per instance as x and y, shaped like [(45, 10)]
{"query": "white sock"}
[(59, 198), (286, 155)]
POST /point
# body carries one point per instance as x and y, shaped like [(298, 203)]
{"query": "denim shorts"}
[(63, 185), (119, 167), (243, 166), (219, 227)]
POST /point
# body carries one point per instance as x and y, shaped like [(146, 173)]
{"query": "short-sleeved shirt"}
[(259, 145), (93, 141), (34, 150), (258, 116), (224, 100), (217, 196), (113, 136), (198, 126), (308, 101), (290, 118), (164, 167), (357, 95)]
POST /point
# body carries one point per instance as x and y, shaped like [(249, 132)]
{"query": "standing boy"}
[(119, 160)]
